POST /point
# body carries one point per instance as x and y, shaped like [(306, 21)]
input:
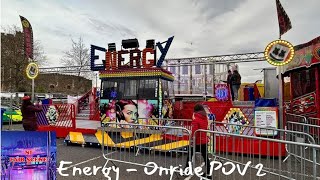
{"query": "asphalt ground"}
[(88, 158)]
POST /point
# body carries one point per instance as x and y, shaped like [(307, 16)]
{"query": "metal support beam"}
[(207, 60)]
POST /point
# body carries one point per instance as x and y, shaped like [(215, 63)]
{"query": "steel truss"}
[(69, 69), (207, 60), (220, 59)]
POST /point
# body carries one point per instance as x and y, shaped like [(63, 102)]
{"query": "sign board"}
[(221, 92), (267, 119), (279, 52), (32, 70), (137, 58)]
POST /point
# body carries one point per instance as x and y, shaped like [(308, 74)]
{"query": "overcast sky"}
[(200, 27)]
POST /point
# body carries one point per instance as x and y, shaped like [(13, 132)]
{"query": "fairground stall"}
[(135, 90), (304, 74)]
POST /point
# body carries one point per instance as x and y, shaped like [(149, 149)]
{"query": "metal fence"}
[(239, 160), (225, 156), (140, 145), (59, 115), (302, 124)]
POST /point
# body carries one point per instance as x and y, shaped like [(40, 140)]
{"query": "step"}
[(153, 141), (83, 114), (244, 103), (82, 118), (85, 111)]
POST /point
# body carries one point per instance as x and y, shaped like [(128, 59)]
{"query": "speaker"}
[(112, 47), (150, 43), (130, 43)]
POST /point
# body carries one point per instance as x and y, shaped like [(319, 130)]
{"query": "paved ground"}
[(88, 157)]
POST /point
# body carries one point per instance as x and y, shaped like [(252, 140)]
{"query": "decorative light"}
[(279, 56)]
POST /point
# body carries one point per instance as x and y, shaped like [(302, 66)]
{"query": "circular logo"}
[(279, 52), (25, 23), (221, 93), (32, 70), (316, 52)]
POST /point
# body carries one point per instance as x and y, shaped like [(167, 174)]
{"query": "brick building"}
[(14, 79), (60, 83)]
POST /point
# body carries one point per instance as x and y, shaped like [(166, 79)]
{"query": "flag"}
[(28, 38), (284, 21)]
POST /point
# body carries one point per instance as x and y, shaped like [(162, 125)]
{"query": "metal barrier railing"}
[(147, 143), (245, 164), (294, 136), (314, 128), (59, 115), (186, 123)]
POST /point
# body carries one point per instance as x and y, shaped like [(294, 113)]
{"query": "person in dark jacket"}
[(229, 82), (236, 82), (29, 118), (200, 121)]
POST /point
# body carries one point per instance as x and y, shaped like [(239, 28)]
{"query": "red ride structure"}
[(304, 74)]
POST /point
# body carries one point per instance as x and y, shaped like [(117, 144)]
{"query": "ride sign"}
[(279, 52), (32, 70), (222, 92), (138, 58)]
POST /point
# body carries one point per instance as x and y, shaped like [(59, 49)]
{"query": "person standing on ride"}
[(236, 82), (200, 121), (229, 82), (29, 118)]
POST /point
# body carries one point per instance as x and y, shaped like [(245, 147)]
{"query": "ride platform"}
[(125, 139)]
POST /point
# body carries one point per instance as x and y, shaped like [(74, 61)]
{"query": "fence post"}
[(73, 116), (314, 153)]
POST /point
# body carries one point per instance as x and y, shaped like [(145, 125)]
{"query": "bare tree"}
[(38, 54), (38, 50), (78, 55), (13, 60)]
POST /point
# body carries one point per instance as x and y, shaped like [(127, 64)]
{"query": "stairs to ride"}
[(243, 103), (84, 114)]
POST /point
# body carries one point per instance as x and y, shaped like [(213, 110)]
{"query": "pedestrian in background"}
[(200, 121), (29, 118), (236, 82)]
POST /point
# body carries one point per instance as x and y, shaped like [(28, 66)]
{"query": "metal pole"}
[(32, 98), (179, 80), (97, 80), (205, 82), (191, 80), (280, 99), (11, 108), (48, 155), (213, 78)]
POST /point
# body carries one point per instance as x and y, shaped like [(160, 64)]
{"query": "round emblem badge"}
[(316, 52), (279, 52), (32, 70)]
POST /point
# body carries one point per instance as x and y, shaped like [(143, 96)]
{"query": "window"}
[(165, 89), (147, 88), (198, 69), (130, 89), (303, 82), (173, 70), (184, 69), (210, 69), (51, 86)]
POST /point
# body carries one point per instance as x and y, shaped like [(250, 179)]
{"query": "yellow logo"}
[(25, 23), (279, 52), (32, 70)]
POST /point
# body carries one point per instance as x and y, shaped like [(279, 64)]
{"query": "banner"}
[(306, 55), (284, 21), (28, 37)]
